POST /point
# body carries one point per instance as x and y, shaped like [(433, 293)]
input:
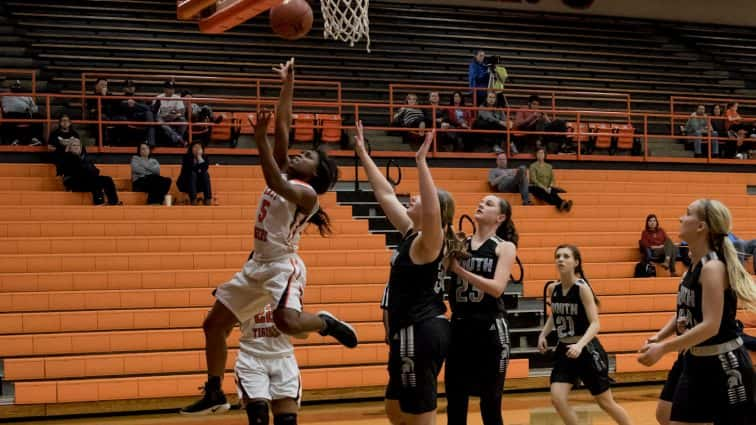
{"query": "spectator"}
[(21, 107), (60, 138), (532, 119), (542, 181), (170, 109), (458, 118), (698, 126), (479, 74), (199, 116), (508, 180), (195, 177), (655, 245), (491, 118), (145, 175), (745, 248), (439, 118), (106, 109), (409, 117), (81, 175), (737, 130), (134, 110)]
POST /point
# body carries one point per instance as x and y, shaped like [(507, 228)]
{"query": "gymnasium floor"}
[(519, 409)]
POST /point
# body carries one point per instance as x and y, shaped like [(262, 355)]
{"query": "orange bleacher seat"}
[(330, 127), (572, 130), (625, 133), (245, 127), (227, 130), (603, 138), (304, 127)]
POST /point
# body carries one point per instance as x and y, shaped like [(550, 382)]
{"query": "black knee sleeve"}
[(257, 413), (285, 419)]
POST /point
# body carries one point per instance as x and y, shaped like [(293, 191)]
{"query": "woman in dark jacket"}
[(194, 175)]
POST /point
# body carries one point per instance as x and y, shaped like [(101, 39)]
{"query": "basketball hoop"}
[(346, 20)]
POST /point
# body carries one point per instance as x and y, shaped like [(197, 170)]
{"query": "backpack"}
[(644, 269)]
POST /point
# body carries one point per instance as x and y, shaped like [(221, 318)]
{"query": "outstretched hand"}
[(422, 153), (285, 70), (359, 138), (263, 121)]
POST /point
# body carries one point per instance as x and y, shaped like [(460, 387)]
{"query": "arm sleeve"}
[(153, 166)]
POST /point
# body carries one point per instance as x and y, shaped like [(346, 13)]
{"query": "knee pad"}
[(285, 419), (257, 413)]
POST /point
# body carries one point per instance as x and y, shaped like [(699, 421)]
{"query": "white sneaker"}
[(35, 142)]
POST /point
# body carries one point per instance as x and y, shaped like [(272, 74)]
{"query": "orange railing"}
[(31, 74), (252, 83), (580, 136), (551, 96)]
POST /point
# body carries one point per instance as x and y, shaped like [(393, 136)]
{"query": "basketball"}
[(292, 19)]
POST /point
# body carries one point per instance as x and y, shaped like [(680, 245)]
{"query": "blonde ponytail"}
[(740, 280), (719, 221)]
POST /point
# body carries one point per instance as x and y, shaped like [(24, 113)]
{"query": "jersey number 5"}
[(263, 210)]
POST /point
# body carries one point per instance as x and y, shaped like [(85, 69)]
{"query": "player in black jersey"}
[(418, 331), (479, 347), (579, 355), (715, 385)]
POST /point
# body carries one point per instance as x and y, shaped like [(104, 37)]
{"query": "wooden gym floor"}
[(519, 409)]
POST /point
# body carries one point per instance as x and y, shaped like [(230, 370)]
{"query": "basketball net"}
[(346, 20)]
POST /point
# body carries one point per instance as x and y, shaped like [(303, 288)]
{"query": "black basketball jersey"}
[(689, 297), (415, 292), (570, 318), (466, 300)]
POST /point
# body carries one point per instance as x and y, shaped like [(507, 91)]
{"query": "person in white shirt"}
[(171, 109)]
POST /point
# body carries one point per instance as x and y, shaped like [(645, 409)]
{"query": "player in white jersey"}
[(267, 375), (274, 274)]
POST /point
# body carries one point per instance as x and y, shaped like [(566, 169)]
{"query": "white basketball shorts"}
[(268, 379)]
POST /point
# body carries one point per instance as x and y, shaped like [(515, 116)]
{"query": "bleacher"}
[(104, 304)]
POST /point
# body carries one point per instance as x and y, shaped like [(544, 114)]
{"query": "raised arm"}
[(494, 287), (303, 196), (283, 113), (428, 245), (382, 189)]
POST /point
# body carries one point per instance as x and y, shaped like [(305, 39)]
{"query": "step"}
[(82, 390), (157, 244), (621, 286), (338, 277), (117, 228), (123, 341), (128, 198), (60, 301), (166, 260), (647, 200)]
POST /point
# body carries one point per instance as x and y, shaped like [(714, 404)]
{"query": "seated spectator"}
[(508, 180), (145, 175), (170, 109), (542, 181), (60, 138), (21, 107), (531, 119), (81, 175), (133, 110), (698, 126), (200, 116), (737, 130), (409, 117), (458, 118), (655, 245), (195, 177), (439, 119), (490, 118), (745, 248), (479, 74)]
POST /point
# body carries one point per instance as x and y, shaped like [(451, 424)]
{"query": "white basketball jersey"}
[(261, 339), (279, 225)]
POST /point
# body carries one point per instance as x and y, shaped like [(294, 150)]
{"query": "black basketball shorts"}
[(416, 354), (591, 367)]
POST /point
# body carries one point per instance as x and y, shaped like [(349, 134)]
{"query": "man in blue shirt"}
[(478, 75)]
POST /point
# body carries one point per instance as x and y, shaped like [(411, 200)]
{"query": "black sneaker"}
[(338, 329), (212, 402)]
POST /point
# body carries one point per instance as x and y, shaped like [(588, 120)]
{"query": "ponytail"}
[(506, 229), (740, 281), (321, 219)]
